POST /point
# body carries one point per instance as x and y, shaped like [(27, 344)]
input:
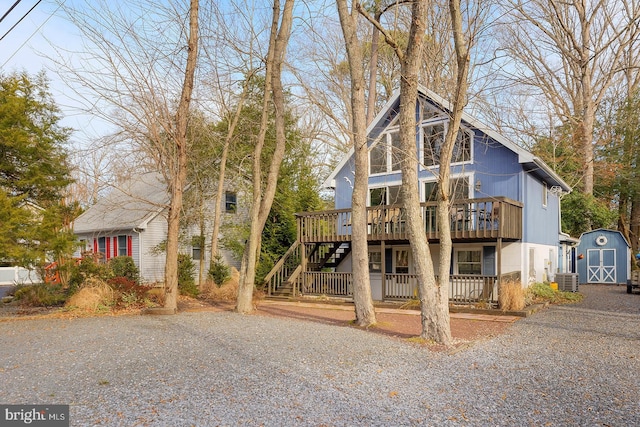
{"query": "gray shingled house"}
[(131, 220)]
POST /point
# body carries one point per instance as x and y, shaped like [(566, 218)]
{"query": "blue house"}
[(604, 256), (505, 216)]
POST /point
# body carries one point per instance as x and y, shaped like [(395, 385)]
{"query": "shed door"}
[(601, 266)]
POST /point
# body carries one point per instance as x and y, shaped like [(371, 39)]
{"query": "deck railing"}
[(485, 218), (327, 283), (463, 289)]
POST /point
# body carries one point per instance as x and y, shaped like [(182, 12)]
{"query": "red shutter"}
[(115, 246), (108, 247), (129, 246), (95, 246)]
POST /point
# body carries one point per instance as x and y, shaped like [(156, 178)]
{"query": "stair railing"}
[(284, 269)]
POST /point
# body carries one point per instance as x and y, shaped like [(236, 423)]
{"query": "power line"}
[(9, 11), (20, 20)]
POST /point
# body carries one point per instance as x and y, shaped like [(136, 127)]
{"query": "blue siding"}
[(541, 224)]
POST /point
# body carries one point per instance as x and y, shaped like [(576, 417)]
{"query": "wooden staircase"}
[(283, 279)]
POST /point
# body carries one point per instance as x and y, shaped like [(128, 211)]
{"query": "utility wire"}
[(20, 20), (9, 11)]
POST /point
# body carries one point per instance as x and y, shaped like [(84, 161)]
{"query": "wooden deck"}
[(471, 219)]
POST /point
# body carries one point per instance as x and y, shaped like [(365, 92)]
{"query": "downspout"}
[(140, 265)]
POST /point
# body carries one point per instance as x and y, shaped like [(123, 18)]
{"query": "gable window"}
[(385, 196), (545, 194), (383, 156), (469, 262), (433, 140), (230, 202)]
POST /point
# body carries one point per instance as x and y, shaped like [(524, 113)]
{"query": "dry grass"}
[(511, 296), (226, 292), (94, 294)]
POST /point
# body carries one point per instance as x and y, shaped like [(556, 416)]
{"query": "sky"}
[(32, 45)]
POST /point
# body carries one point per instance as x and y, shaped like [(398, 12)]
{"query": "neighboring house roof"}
[(129, 206), (526, 158)]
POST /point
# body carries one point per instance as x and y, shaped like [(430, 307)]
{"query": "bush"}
[(219, 271), (88, 268), (123, 266), (186, 276), (40, 295), (542, 292)]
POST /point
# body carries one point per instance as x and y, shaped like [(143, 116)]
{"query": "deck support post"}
[(499, 271), (303, 264), (383, 270)]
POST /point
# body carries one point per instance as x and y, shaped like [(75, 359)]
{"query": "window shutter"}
[(129, 246)]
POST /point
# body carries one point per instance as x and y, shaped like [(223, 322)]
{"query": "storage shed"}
[(604, 256)]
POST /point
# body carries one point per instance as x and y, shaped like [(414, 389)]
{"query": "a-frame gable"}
[(389, 112)]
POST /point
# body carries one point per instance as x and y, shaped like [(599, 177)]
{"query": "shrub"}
[(186, 279), (219, 271), (227, 291), (541, 292), (88, 268), (511, 296), (123, 266), (40, 295)]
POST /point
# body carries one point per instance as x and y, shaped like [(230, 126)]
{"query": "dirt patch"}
[(399, 325)]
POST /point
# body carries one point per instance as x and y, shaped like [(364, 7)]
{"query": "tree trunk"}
[(179, 174), (261, 206), (365, 313), (217, 215)]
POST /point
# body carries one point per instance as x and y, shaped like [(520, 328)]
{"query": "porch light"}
[(478, 185)]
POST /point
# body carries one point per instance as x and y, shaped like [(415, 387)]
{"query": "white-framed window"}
[(375, 261), (196, 247), (545, 194), (433, 139), (468, 261), (401, 260), (459, 189), (383, 155), (122, 246), (386, 195)]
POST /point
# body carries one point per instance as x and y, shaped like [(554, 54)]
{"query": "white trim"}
[(469, 175)]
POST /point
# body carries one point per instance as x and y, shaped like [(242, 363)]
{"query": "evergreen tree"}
[(34, 173)]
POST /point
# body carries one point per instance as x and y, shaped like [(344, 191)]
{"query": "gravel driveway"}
[(571, 365)]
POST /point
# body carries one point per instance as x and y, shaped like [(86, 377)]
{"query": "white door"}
[(601, 266)]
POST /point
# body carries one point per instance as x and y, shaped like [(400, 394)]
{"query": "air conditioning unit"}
[(567, 282)]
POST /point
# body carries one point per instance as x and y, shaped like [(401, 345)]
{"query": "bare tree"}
[(365, 314), (570, 53), (433, 294), (263, 192), (143, 80)]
